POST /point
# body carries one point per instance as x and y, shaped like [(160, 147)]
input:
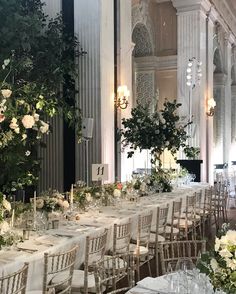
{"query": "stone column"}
[(220, 81), (191, 21), (227, 106), (233, 121), (125, 76), (209, 94)]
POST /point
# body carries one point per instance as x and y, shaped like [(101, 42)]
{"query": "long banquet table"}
[(72, 233)]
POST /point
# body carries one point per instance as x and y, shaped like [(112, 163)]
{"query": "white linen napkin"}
[(159, 284)]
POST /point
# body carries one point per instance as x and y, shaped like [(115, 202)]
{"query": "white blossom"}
[(28, 121)]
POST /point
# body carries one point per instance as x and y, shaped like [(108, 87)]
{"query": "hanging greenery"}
[(37, 60)]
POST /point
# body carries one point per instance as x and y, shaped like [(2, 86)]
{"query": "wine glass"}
[(185, 264)]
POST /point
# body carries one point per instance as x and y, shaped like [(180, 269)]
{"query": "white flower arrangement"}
[(220, 264)]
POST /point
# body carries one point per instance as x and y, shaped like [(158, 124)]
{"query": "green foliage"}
[(192, 152), (38, 61), (154, 131)]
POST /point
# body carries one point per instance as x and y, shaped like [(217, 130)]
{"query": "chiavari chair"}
[(172, 251), (15, 283)]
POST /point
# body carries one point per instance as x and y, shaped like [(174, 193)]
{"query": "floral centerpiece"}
[(51, 200), (220, 263), (155, 131)]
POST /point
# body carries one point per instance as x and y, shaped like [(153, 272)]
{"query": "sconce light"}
[(211, 104), (121, 101)]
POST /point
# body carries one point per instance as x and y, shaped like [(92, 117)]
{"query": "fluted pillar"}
[(191, 21), (233, 122), (94, 26)]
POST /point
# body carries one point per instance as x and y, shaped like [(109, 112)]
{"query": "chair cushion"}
[(77, 280), (159, 238), (119, 264), (182, 223), (166, 230), (183, 215), (34, 292), (142, 250)]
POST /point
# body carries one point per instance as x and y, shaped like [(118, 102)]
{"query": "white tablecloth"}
[(89, 224)]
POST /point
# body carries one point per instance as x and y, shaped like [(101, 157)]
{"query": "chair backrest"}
[(58, 263), (176, 214), (15, 283), (173, 250), (161, 220), (198, 199), (144, 229), (207, 205), (121, 237), (190, 206), (111, 270), (94, 252)]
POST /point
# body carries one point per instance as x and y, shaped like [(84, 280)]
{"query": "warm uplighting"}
[(211, 104), (122, 97)]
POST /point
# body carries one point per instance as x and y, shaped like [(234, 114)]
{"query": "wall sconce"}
[(121, 101), (211, 104)]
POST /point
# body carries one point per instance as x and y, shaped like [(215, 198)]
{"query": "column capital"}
[(191, 5)]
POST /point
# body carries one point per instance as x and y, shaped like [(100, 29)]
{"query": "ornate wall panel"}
[(141, 39), (145, 88)]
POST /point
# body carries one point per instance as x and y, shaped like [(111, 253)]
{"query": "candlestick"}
[(35, 206), (12, 218), (71, 194)]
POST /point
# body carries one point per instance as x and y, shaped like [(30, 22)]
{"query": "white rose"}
[(6, 93), (65, 204), (44, 127), (13, 125), (217, 244), (88, 197), (225, 253), (6, 204), (231, 263), (39, 203), (214, 264), (4, 227), (117, 193), (36, 117), (28, 121), (17, 130)]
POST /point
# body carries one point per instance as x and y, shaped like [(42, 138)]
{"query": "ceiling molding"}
[(226, 15)]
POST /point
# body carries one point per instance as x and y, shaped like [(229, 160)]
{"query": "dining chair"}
[(83, 280), (175, 220), (110, 270), (121, 237), (187, 222), (61, 265), (140, 248), (15, 283), (158, 233), (170, 252)]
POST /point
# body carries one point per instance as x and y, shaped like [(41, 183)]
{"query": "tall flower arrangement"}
[(38, 59), (155, 131)]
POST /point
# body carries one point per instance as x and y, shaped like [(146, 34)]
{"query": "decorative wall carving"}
[(141, 38), (145, 90), (140, 15)]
